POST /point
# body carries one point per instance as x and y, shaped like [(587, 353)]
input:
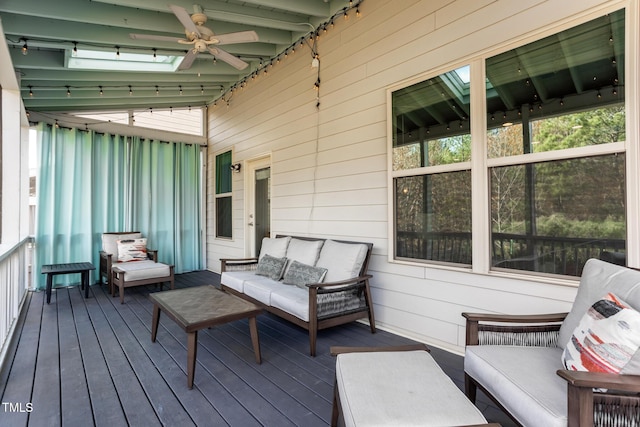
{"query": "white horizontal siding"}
[(329, 165)]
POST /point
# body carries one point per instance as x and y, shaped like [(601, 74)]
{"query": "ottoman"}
[(398, 388)]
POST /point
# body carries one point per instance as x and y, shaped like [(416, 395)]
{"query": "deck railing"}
[(15, 277), (556, 255)]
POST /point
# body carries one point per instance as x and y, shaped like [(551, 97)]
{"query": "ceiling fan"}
[(203, 39)]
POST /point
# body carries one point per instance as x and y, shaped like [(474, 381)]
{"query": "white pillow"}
[(304, 251), (277, 247), (342, 260)]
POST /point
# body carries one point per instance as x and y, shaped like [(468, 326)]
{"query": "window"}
[(223, 195), (431, 163), (555, 137), (550, 104)]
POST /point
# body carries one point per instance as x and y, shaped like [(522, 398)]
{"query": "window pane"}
[(551, 217), (223, 173), (223, 217), (431, 122), (433, 217), (564, 91)]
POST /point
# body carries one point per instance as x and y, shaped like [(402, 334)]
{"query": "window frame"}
[(480, 164)]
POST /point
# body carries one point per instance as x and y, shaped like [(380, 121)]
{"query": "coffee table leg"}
[(85, 282), (154, 322), (192, 347), (255, 340), (49, 284)]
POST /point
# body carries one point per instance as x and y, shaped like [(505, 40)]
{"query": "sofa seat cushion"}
[(235, 279), (142, 270), (293, 300), (522, 379), (400, 389), (342, 260), (260, 288)]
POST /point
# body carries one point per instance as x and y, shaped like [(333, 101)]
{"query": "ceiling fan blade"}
[(225, 56), (239, 37), (185, 19), (188, 59), (152, 37)]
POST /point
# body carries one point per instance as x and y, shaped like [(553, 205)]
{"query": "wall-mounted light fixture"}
[(235, 167)]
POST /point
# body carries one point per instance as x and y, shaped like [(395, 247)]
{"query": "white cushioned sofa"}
[(580, 368), (312, 282)]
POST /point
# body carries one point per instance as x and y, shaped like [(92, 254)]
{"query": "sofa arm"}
[(335, 299), (505, 329), (152, 254), (238, 264), (618, 398), (342, 283)]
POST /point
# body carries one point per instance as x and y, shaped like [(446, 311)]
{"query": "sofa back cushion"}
[(342, 260), (598, 279), (110, 242), (276, 247), (304, 251)]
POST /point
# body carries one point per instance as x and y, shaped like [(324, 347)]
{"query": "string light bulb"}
[(68, 91), (74, 52), (201, 90), (57, 125), (180, 86), (31, 91), (130, 91), (155, 55), (25, 48), (157, 91), (117, 52), (101, 92)]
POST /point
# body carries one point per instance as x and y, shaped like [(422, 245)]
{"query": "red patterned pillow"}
[(606, 338), (132, 250)]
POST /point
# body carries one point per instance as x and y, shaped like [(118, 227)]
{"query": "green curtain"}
[(90, 183)]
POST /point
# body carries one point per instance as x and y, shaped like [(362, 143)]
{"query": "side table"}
[(75, 267)]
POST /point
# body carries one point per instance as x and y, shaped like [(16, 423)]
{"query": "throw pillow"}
[(300, 274), (606, 338), (271, 267), (132, 250)]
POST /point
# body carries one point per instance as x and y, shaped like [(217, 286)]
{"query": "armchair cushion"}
[(132, 250), (606, 338), (142, 270), (598, 279), (522, 379), (110, 241)]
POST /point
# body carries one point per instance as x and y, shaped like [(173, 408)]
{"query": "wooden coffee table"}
[(202, 307)]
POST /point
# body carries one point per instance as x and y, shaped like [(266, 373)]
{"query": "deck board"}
[(84, 362)]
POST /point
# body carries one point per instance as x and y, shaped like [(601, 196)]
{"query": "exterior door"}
[(259, 198)]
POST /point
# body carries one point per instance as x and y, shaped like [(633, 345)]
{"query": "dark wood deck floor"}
[(83, 362)]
